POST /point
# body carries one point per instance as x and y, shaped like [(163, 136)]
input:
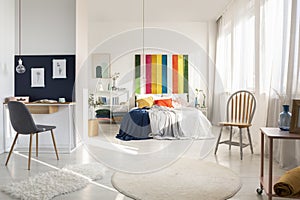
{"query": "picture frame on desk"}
[(24, 99), (295, 119)]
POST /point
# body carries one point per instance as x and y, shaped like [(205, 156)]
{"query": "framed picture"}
[(295, 120), (37, 77), (59, 69), (101, 65)]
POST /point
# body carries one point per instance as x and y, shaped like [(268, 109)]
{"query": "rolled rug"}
[(288, 184)]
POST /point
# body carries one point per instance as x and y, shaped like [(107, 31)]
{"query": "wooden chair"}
[(23, 123), (240, 110)]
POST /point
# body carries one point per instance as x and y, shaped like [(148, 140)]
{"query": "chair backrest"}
[(20, 118), (241, 107)]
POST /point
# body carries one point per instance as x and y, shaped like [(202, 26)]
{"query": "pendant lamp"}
[(20, 69)]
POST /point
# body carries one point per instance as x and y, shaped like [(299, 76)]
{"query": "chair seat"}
[(240, 125), (42, 128)]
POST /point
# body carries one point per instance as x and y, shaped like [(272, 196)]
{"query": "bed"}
[(164, 118)]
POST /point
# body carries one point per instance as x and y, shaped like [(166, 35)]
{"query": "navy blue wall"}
[(54, 88)]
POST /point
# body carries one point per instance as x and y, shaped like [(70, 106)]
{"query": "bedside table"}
[(93, 127)]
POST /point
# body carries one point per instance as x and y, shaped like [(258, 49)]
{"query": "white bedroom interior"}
[(232, 45)]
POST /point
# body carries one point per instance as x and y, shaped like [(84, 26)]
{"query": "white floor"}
[(113, 157)]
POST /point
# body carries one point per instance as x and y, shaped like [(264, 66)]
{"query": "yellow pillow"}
[(145, 102)]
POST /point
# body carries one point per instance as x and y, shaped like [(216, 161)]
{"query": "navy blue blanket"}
[(135, 125)]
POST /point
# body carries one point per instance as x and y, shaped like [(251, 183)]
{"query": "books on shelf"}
[(109, 101)]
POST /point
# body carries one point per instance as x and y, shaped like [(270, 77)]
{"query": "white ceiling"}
[(156, 10)]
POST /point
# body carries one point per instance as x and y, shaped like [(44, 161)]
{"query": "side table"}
[(266, 183), (93, 127)]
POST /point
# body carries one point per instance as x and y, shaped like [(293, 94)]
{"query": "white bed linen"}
[(191, 121), (165, 123), (194, 124)]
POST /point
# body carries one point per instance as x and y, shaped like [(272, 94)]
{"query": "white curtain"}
[(234, 54), (275, 25), (235, 60), (258, 50), (280, 66)]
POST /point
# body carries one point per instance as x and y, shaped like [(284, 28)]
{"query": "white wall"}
[(124, 39), (7, 19), (48, 27), (81, 54)]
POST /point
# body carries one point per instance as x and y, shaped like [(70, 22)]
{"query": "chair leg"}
[(11, 148), (36, 144), (218, 141), (250, 141), (29, 155), (241, 144), (230, 137), (54, 144)]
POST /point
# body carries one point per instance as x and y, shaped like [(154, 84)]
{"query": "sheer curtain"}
[(258, 50), (274, 53), (280, 68), (235, 60), (234, 54)]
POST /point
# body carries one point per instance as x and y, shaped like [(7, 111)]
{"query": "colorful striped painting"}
[(164, 69), (163, 74), (148, 74)]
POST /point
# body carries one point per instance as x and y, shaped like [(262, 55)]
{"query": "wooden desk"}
[(35, 108), (266, 183)]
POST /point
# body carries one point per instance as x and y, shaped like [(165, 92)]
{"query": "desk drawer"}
[(43, 109)]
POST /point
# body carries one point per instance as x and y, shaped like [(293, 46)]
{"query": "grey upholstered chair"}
[(23, 123), (240, 110)]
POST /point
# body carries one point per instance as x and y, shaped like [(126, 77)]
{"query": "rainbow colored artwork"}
[(163, 74)]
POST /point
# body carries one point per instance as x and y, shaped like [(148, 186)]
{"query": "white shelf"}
[(112, 93), (116, 101)]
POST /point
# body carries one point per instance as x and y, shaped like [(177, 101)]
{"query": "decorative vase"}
[(285, 118)]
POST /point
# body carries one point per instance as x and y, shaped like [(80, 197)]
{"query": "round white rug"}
[(186, 179)]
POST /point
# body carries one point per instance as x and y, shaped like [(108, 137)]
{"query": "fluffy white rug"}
[(47, 185), (186, 179)]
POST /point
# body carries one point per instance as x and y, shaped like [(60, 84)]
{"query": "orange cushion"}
[(164, 102)]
